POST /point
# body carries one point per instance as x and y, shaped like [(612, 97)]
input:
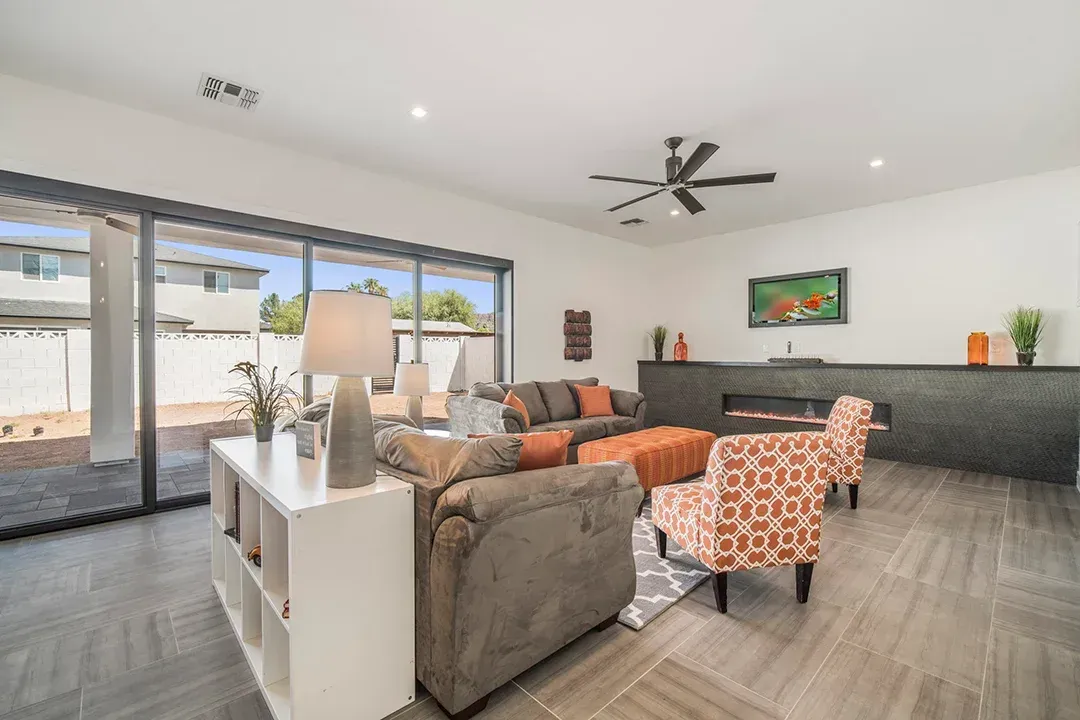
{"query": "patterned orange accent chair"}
[(759, 506), (848, 428)]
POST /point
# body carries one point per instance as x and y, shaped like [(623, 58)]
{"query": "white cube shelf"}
[(344, 561)]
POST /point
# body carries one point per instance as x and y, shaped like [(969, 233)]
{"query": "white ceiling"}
[(527, 99)]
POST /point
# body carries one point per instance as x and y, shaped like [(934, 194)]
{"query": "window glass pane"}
[(31, 266), (50, 268), (69, 407), (459, 327), (159, 274), (254, 314)]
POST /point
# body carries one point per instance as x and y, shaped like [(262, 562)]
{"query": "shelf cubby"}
[(275, 556)]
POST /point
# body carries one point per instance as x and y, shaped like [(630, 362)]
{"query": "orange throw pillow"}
[(595, 401), (541, 449), (515, 402)]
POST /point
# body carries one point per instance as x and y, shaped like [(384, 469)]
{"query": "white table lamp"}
[(411, 379), (349, 335)]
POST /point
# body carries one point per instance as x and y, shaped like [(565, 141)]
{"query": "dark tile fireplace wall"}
[(1019, 422)]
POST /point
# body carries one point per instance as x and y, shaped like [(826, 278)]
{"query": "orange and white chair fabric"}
[(848, 429), (759, 506)]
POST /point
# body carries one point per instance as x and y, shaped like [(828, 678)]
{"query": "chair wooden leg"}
[(803, 574), (719, 586), (835, 487), (661, 543), (853, 494)]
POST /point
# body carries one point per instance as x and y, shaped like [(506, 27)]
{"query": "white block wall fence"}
[(49, 371)]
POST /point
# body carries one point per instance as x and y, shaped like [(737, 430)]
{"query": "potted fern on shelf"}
[(659, 337), (262, 397), (1025, 326)]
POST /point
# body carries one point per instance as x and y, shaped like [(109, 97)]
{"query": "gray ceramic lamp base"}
[(414, 410), (350, 436)]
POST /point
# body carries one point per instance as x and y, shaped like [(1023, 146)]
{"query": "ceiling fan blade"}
[(626, 180), (631, 202), (689, 201), (703, 152), (733, 180)]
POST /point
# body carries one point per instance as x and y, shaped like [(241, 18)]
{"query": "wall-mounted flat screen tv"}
[(817, 298)]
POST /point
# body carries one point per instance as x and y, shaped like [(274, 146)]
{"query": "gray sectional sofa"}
[(551, 406)]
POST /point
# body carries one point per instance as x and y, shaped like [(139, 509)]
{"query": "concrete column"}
[(112, 345)]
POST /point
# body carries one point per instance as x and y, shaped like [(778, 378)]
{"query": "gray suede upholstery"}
[(529, 394), (445, 460), (558, 400), (488, 391), (588, 382), (511, 568), (473, 414)]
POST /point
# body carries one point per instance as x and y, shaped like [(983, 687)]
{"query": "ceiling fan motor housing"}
[(673, 165)]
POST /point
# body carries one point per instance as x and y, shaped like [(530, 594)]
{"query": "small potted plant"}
[(1025, 326), (659, 338), (262, 397)]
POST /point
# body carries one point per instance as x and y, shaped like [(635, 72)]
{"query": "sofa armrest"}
[(477, 415), (626, 402), (489, 499)]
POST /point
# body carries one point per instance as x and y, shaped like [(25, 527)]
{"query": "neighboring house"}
[(193, 292)]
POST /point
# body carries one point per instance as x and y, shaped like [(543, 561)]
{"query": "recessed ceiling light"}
[(674, 212), (876, 163), (418, 112)]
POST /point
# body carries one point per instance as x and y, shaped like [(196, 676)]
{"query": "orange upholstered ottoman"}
[(660, 455)]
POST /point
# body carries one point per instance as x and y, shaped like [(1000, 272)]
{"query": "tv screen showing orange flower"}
[(803, 299)]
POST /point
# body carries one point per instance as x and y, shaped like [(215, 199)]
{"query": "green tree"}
[(442, 305), (401, 307), (269, 307), (370, 286), (288, 319)]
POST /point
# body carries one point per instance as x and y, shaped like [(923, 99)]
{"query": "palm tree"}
[(370, 286)]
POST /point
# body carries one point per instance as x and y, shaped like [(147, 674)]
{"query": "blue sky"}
[(286, 274)]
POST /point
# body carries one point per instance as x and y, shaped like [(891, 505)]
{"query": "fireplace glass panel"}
[(797, 410)]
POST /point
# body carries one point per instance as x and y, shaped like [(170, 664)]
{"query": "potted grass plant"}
[(261, 397), (1025, 326), (659, 338)]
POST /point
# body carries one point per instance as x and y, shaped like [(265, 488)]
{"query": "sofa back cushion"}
[(541, 450), (571, 385), (595, 401), (529, 395), (558, 400), (445, 460), (488, 391)]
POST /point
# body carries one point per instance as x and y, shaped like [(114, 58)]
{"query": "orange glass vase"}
[(978, 349)]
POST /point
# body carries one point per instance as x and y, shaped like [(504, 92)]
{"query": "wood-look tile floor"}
[(945, 595)]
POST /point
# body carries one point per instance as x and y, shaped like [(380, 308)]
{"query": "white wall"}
[(924, 273), (57, 134), (237, 311)]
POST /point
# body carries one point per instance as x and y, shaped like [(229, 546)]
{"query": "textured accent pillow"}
[(528, 394), (488, 391), (572, 386), (515, 402), (595, 401), (559, 401), (445, 460), (540, 450)]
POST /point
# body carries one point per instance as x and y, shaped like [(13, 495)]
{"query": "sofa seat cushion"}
[(559, 400), (616, 424), (530, 395), (584, 429)]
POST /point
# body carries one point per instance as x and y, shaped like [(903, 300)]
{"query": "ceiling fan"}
[(678, 177)]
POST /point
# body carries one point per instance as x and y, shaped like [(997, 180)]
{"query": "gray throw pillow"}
[(528, 393), (559, 401), (488, 391), (444, 460), (587, 382)]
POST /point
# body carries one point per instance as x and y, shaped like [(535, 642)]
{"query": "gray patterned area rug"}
[(660, 583)]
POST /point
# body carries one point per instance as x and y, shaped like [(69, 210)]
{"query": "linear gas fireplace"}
[(798, 410)]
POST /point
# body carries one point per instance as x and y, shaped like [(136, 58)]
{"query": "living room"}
[(922, 158)]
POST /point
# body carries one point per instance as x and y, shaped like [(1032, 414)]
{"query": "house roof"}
[(433, 326), (164, 253), (62, 310)]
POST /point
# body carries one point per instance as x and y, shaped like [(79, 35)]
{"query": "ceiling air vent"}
[(228, 92), (633, 222)]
